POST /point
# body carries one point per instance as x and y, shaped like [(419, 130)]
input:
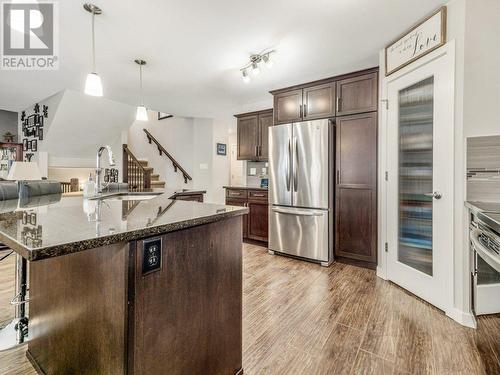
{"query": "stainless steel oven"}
[(485, 261)]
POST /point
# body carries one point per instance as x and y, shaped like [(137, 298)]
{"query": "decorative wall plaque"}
[(420, 40)]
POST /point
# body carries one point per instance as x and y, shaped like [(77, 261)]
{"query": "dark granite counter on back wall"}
[(246, 188), (52, 226)]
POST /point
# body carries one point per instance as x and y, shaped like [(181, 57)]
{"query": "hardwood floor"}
[(299, 318)]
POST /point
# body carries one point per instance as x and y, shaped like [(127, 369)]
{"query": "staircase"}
[(155, 178), (139, 175)]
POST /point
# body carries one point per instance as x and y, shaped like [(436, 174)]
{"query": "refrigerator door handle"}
[(295, 165), (288, 164), (297, 213)]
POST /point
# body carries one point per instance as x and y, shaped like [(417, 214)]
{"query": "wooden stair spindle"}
[(135, 174)]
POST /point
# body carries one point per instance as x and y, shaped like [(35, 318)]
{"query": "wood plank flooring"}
[(299, 318)]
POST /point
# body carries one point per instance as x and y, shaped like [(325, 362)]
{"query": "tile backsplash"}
[(255, 171), (483, 169)]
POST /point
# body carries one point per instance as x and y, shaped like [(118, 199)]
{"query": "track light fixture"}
[(254, 64)]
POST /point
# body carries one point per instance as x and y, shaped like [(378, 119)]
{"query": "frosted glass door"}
[(416, 105), (420, 173)]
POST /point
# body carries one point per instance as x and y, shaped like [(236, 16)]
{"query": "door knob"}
[(435, 195)]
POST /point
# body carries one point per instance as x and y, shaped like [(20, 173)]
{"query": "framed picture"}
[(420, 40), (34, 145), (163, 115), (25, 144), (221, 149)]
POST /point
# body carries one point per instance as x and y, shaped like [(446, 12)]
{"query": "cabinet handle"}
[(338, 103), (300, 111), (258, 195), (338, 176), (305, 110)]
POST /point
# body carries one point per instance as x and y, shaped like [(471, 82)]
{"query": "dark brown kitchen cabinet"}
[(357, 94), (319, 101), (310, 103), (252, 134), (255, 224), (265, 121), (356, 187), (288, 107), (351, 101), (247, 132)]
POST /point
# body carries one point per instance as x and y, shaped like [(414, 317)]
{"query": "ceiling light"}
[(142, 112), (267, 60), (93, 84), (255, 68), (254, 64), (246, 77)]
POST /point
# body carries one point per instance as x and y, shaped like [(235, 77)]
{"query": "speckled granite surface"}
[(52, 226), (245, 188)]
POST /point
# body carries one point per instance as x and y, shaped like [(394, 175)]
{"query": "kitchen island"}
[(137, 284)]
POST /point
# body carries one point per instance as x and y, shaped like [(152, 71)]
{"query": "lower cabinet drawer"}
[(257, 194), (236, 193)]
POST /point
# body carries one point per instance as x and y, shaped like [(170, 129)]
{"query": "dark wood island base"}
[(100, 311)]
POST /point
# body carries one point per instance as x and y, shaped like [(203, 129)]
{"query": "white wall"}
[(77, 125), (475, 29), (192, 142), (176, 135)]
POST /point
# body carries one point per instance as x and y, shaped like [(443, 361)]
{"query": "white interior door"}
[(420, 183)]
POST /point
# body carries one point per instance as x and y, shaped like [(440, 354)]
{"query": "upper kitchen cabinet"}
[(309, 103), (347, 94), (319, 101), (265, 121), (357, 94), (252, 135), (288, 107), (247, 132)]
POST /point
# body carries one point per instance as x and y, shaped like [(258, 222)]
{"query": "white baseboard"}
[(381, 273), (461, 317)]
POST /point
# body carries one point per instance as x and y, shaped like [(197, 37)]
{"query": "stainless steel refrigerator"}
[(300, 190)]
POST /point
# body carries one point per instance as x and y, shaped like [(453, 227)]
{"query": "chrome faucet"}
[(98, 170)]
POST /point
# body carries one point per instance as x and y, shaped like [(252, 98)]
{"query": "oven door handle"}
[(486, 254)]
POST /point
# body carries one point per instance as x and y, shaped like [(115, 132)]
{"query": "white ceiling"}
[(194, 49)]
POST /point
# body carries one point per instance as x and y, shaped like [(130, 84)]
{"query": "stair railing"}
[(134, 173), (162, 151)]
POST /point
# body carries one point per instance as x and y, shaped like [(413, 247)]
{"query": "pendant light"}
[(93, 84), (142, 112)]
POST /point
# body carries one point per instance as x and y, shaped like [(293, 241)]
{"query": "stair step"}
[(143, 162), (157, 184), (155, 177)]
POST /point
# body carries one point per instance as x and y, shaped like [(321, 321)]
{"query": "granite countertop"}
[(52, 225), (245, 187)]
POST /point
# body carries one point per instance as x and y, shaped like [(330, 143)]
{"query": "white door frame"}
[(447, 51)]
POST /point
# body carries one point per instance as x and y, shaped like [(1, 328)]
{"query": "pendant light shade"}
[(93, 84), (142, 113)]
